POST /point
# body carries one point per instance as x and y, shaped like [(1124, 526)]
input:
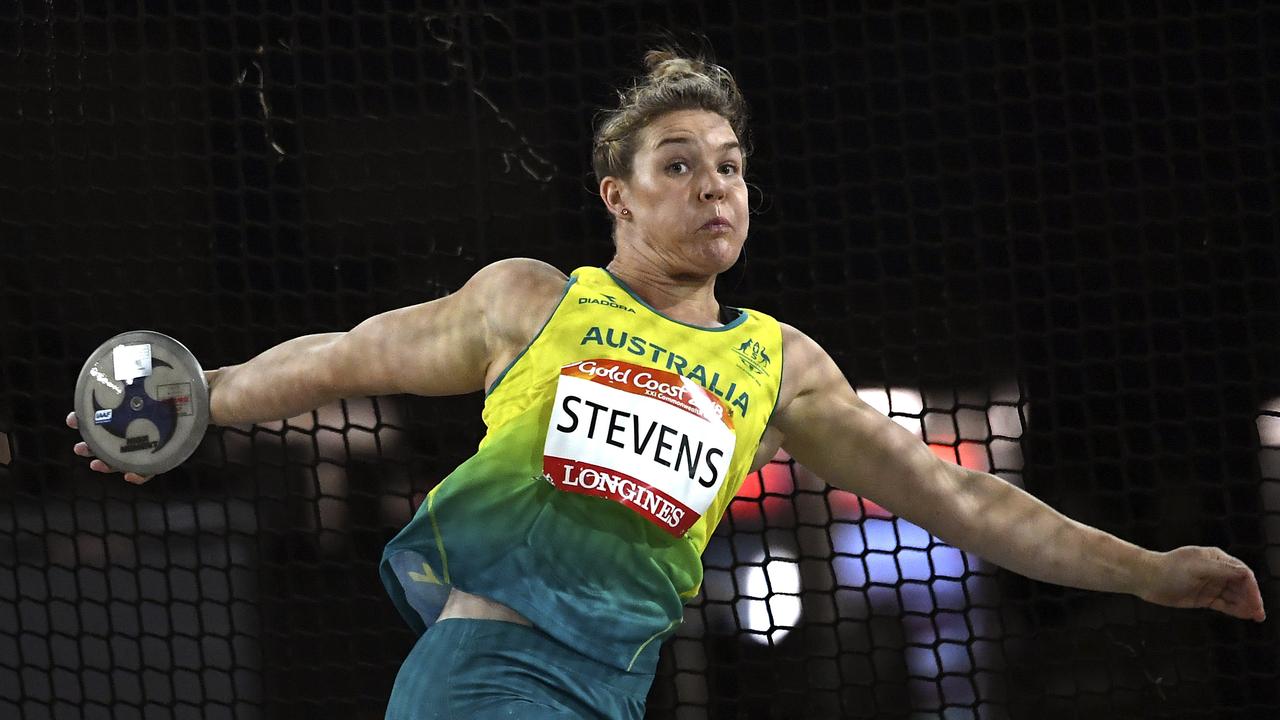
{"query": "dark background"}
[(1079, 198)]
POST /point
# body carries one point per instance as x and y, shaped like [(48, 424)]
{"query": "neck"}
[(688, 298)]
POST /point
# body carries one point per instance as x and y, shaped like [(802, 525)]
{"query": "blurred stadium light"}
[(891, 567)]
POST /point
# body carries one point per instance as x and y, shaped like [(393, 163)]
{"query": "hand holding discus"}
[(141, 405)]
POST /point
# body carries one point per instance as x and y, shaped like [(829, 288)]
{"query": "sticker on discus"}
[(131, 361), (179, 394)]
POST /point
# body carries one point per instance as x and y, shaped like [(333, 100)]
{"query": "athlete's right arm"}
[(448, 346), (442, 347)]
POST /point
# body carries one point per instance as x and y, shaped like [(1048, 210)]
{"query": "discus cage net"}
[(1042, 236)]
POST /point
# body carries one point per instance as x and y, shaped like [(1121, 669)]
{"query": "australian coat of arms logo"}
[(753, 357)]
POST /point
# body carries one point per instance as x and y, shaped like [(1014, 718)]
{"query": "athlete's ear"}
[(611, 192)]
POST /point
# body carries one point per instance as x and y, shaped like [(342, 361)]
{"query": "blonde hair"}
[(673, 83)]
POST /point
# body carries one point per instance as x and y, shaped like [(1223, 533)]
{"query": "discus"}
[(142, 402)]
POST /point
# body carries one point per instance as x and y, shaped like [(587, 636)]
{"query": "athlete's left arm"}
[(825, 426)]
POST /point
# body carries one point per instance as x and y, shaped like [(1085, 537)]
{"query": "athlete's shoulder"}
[(802, 351), (516, 297), (520, 277), (793, 336), (807, 365)]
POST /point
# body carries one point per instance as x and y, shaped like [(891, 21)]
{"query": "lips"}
[(718, 224)]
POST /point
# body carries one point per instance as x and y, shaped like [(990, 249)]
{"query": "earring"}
[(624, 212)]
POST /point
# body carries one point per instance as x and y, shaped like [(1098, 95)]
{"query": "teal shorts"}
[(482, 669)]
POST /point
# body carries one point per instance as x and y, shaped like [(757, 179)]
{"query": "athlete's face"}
[(686, 197)]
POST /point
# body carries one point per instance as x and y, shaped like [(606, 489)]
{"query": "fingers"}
[(96, 465), (1241, 590), (1241, 609), (1244, 593), (1239, 595), (1222, 606), (82, 449), (1210, 578)]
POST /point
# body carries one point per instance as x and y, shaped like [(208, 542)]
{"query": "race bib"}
[(656, 442)]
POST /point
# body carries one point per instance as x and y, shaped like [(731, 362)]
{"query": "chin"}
[(722, 255)]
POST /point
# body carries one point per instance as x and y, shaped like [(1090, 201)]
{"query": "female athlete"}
[(624, 406)]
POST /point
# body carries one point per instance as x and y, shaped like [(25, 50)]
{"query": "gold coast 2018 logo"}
[(754, 357)]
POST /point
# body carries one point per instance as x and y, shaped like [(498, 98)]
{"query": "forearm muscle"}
[(1015, 530), (283, 382)]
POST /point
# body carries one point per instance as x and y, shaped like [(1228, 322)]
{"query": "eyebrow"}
[(686, 141)]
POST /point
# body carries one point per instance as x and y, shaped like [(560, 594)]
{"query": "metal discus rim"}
[(199, 421)]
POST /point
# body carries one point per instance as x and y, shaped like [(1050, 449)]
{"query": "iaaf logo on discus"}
[(753, 355), (609, 301)]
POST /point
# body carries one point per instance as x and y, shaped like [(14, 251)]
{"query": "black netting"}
[(1041, 235)]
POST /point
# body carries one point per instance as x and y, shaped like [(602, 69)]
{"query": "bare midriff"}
[(473, 607)]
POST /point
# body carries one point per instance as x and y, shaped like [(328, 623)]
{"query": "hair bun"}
[(666, 64)]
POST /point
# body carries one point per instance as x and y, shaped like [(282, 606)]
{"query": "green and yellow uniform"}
[(615, 442)]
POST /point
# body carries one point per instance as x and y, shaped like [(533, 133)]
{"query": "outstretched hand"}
[(82, 449), (1195, 577)]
